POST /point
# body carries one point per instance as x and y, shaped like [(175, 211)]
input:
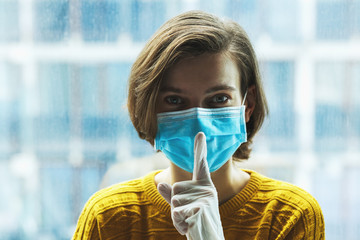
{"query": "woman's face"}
[(207, 81)]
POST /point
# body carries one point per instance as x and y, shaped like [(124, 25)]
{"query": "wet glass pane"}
[(147, 16), (9, 21), (335, 19), (101, 20), (277, 20), (279, 86), (51, 20)]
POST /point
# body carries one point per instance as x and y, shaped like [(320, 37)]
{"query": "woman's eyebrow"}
[(221, 87)]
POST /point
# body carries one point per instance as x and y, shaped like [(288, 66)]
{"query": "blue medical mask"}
[(224, 128)]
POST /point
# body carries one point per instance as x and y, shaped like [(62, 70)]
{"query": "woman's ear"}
[(250, 102)]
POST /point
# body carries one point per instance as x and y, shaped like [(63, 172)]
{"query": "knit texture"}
[(264, 209)]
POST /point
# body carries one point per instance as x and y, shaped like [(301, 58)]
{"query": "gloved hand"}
[(194, 203)]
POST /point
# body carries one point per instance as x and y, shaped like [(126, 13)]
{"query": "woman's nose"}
[(197, 102)]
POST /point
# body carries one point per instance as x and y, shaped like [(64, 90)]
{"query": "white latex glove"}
[(194, 203)]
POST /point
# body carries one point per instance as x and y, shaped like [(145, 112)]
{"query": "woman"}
[(195, 94)]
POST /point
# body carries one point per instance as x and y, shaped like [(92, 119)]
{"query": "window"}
[(65, 130)]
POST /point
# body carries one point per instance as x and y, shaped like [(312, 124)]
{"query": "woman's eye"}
[(220, 99), (174, 100)]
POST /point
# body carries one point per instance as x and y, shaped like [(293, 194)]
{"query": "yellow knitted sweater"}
[(264, 209)]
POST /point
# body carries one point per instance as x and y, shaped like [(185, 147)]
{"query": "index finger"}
[(201, 168)]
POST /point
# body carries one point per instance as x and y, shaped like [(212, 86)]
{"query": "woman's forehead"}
[(208, 69)]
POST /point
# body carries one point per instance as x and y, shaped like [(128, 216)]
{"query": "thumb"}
[(165, 191), (201, 168)]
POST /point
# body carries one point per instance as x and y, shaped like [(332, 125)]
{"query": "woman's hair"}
[(187, 35)]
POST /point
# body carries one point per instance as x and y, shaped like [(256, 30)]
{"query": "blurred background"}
[(64, 127)]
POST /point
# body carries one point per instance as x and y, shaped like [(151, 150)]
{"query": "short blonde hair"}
[(192, 34)]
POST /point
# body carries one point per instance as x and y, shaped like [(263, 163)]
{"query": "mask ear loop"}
[(243, 101)]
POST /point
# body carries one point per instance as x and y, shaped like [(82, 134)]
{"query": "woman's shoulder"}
[(284, 192), (288, 200), (114, 208), (283, 208), (126, 193)]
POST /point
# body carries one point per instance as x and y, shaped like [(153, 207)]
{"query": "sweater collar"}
[(227, 208)]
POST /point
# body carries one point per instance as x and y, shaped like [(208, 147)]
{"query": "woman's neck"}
[(228, 180)]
